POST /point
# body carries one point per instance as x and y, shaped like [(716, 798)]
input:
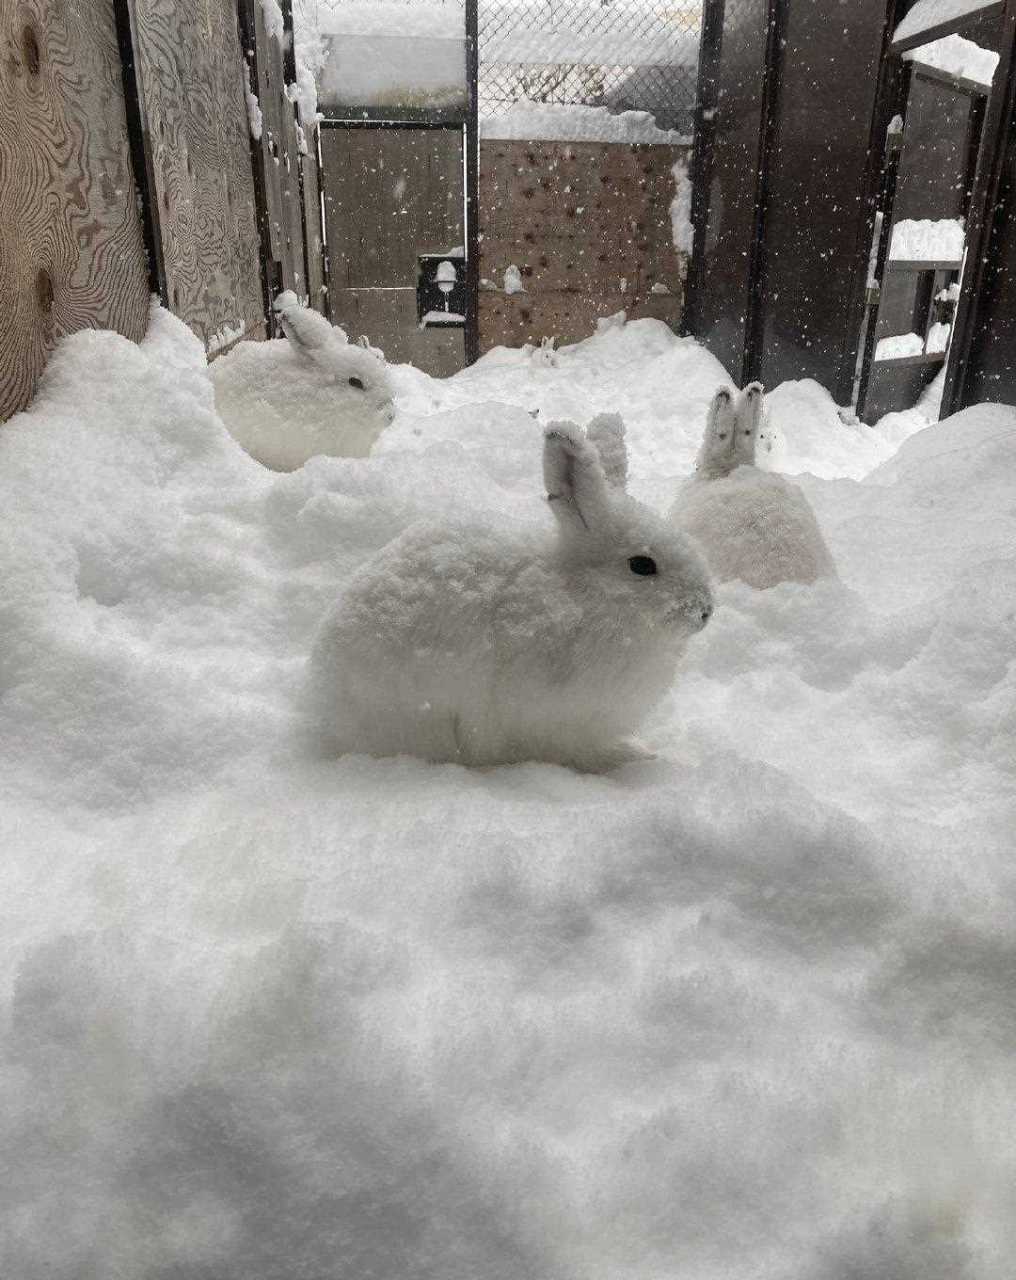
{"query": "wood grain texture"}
[(191, 79), (71, 247), (588, 225)]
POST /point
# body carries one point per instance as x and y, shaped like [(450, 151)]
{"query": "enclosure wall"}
[(589, 226), (129, 165), (72, 253)]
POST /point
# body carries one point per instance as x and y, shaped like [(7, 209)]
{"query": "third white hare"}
[(751, 524)]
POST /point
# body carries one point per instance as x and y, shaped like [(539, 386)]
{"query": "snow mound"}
[(745, 1010)]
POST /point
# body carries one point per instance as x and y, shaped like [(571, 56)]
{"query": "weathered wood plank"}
[(280, 159), (191, 79), (71, 246), (313, 244)]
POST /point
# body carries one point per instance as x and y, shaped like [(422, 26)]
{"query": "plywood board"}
[(71, 246), (191, 78)]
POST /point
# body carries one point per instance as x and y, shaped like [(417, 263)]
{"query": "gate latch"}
[(441, 290)]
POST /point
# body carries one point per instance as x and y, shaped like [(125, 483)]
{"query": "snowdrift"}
[(747, 1010)]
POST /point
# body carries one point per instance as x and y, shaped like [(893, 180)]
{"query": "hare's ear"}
[(722, 414), (606, 432), (749, 410), (576, 485), (716, 452)]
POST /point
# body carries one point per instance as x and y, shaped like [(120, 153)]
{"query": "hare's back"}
[(754, 526), (436, 583)]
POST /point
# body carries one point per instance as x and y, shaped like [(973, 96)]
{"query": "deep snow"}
[(745, 1011)]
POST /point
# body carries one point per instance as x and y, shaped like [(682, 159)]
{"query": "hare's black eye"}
[(356, 382), (642, 565)]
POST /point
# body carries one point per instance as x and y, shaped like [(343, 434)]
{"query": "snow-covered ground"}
[(747, 1010)]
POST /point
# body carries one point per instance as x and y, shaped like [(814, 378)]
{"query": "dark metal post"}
[(768, 130), (984, 214), (710, 51), (898, 76), (471, 159), (885, 107)]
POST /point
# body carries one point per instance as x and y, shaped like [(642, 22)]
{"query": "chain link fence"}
[(621, 54)]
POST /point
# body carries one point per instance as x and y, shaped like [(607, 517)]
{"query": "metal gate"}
[(398, 177), (394, 212)]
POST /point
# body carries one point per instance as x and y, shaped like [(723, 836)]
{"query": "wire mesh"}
[(621, 54)]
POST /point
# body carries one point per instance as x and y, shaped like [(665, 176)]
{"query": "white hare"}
[(312, 392), (486, 644), (751, 524)]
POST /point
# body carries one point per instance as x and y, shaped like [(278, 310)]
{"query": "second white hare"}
[(489, 643), (751, 524)]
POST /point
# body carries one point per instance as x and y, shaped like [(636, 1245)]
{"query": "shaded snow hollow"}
[(745, 1011)]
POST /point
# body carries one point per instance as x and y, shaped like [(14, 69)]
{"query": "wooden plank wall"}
[(71, 247), (588, 225), (278, 154), (317, 294), (191, 81), (127, 165)]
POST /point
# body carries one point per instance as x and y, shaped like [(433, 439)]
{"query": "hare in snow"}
[(485, 644), (751, 524), (309, 393)]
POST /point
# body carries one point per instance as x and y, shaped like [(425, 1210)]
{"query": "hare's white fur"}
[(309, 393), (751, 524), (487, 644)]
